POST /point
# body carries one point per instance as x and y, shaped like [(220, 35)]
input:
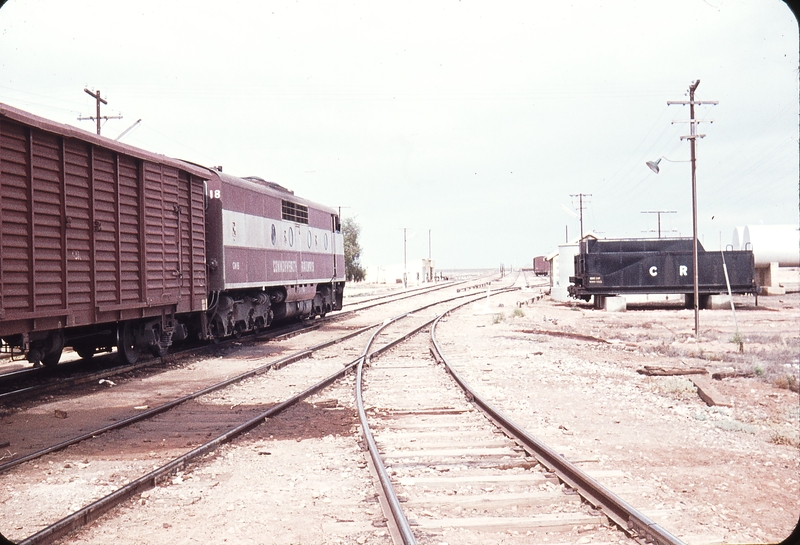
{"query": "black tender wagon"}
[(611, 267)]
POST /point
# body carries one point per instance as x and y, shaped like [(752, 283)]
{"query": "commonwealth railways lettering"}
[(284, 266)]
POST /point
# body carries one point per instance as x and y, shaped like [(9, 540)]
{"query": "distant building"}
[(417, 272)]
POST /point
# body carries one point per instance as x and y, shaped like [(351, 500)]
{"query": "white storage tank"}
[(772, 244), (738, 234)]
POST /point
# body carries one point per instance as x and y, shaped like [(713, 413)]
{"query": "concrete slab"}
[(615, 304), (719, 302), (773, 290)]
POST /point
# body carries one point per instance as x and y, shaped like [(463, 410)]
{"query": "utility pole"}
[(659, 212), (580, 206), (98, 117), (692, 137), (429, 244), (429, 272), (405, 281)]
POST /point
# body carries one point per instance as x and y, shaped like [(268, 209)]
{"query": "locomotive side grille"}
[(291, 211)]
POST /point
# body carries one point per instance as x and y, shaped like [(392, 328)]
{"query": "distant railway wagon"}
[(105, 245), (657, 266), (541, 266)]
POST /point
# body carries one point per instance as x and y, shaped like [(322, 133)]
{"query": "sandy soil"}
[(568, 373), (709, 474)]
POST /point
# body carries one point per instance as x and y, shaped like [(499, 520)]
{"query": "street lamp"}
[(654, 164), (692, 137)]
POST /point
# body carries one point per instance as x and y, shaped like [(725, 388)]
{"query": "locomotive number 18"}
[(213, 193)]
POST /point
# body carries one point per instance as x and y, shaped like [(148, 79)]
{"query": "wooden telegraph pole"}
[(692, 137), (98, 117)]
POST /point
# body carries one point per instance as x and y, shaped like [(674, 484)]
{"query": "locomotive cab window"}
[(291, 211)]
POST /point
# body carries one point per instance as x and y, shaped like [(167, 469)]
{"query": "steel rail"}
[(93, 511), (166, 406), (413, 291), (290, 329), (620, 512), (78, 378), (400, 519), (101, 506), (277, 364), (408, 295)]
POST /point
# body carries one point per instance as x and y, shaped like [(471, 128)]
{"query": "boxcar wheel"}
[(126, 343)]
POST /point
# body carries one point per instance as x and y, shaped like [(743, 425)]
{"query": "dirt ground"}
[(709, 474), (722, 473)]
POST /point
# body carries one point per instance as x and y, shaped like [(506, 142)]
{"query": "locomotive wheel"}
[(217, 329), (126, 343)]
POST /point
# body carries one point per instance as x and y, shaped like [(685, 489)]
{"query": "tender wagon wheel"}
[(85, 352), (126, 343)]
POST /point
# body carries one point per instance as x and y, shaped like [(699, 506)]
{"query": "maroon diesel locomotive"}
[(104, 245), (271, 255)]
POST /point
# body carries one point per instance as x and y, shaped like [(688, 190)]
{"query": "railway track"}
[(395, 295), (188, 424), (88, 377), (29, 382), (449, 474), (500, 486)]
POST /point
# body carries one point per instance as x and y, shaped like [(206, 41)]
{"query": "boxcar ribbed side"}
[(93, 233)]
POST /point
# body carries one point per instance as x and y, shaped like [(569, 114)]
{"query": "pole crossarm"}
[(98, 117), (699, 102)]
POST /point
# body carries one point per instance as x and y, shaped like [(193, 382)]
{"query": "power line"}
[(581, 207), (659, 212)]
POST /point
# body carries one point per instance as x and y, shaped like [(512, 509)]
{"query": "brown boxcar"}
[(101, 244), (541, 266)]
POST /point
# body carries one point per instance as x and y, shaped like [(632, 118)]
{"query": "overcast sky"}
[(474, 120)]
